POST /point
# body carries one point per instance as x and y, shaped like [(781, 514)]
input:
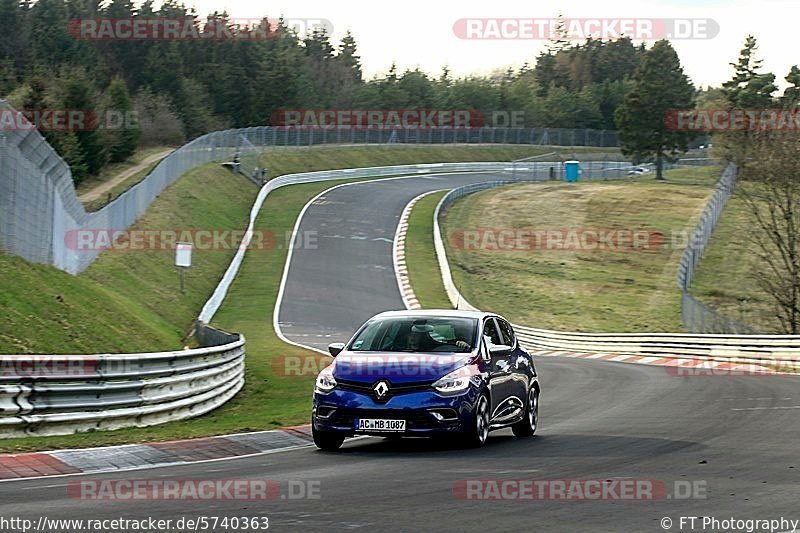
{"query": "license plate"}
[(380, 424)]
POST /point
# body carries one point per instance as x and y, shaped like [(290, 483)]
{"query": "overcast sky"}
[(419, 33)]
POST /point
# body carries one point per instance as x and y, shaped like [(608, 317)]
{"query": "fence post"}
[(698, 317)]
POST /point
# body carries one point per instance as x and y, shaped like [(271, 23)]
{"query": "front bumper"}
[(337, 411)]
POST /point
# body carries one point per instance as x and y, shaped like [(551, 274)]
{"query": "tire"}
[(477, 435), (327, 441), (527, 426)]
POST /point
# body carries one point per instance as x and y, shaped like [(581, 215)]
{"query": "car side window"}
[(507, 331), (490, 331)]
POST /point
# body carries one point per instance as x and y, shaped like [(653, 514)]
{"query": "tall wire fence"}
[(698, 317), (42, 220), (40, 214), (298, 136), (596, 165)]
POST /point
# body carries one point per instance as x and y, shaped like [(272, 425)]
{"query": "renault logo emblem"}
[(381, 389)]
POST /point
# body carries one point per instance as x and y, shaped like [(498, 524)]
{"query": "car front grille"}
[(394, 390)]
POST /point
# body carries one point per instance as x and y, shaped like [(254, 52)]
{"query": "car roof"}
[(458, 313)]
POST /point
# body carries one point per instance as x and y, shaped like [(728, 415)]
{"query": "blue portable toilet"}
[(572, 170)]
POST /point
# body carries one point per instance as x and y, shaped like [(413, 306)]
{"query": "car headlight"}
[(325, 382), (454, 382)]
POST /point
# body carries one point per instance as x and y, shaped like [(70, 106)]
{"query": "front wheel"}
[(327, 441), (527, 426), (477, 435)]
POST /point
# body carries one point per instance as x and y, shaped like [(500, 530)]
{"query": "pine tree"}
[(72, 153), (747, 90), (659, 86), (10, 22), (559, 38), (791, 96), (348, 58), (122, 137), (78, 96), (38, 100), (51, 43)]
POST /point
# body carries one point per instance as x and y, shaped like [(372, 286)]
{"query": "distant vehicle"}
[(638, 170), (424, 374)]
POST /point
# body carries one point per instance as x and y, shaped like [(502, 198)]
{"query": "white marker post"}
[(183, 258)]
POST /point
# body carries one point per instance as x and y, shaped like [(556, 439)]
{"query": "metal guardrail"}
[(673, 345), (110, 391), (534, 170), (65, 394)]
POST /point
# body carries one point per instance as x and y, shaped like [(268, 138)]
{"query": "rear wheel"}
[(527, 426), (327, 441), (477, 435)]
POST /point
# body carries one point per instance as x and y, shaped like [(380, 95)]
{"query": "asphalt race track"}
[(348, 276), (737, 438)]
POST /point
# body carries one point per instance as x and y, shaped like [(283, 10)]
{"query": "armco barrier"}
[(64, 394), (110, 391), (673, 345), (538, 170)]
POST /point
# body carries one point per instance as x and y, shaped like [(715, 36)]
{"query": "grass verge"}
[(126, 301), (566, 289), (146, 283), (112, 171), (288, 160), (269, 398), (727, 277), (423, 266)]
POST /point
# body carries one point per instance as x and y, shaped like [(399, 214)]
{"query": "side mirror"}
[(335, 348), (500, 349)]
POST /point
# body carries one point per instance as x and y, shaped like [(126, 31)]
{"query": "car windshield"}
[(417, 334)]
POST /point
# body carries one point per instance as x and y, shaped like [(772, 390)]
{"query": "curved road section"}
[(341, 270), (621, 447)]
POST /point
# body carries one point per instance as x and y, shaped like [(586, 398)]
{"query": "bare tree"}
[(770, 188)]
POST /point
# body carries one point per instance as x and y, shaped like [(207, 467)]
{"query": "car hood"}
[(397, 367)]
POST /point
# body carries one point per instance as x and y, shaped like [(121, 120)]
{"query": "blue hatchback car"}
[(425, 374)]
